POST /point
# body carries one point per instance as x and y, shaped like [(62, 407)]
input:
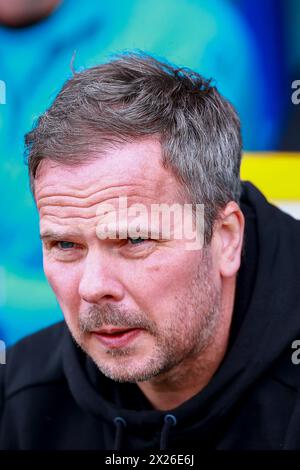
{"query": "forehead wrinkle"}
[(87, 186), (86, 193), (84, 201), (59, 207), (88, 213)]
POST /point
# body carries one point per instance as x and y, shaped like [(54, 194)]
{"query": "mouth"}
[(115, 338)]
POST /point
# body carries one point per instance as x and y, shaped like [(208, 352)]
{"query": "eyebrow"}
[(49, 234), (53, 235)]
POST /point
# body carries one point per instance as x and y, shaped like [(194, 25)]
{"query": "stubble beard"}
[(189, 330)]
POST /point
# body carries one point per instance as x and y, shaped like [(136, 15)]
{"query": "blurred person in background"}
[(22, 13)]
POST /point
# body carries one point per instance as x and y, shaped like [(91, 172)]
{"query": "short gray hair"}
[(135, 96)]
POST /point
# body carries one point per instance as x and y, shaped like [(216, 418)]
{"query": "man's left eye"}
[(136, 241), (65, 245)]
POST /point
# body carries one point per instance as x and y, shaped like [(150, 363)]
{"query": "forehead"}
[(132, 169)]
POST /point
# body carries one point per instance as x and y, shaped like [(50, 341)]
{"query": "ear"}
[(228, 239)]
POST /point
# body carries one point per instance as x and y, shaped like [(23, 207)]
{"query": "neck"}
[(170, 389)]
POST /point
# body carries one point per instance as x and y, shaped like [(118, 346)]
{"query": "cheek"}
[(64, 281), (158, 286)]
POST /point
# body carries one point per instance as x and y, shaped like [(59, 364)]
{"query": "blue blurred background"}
[(251, 49)]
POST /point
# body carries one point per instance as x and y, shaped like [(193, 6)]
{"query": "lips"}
[(113, 331), (115, 338)]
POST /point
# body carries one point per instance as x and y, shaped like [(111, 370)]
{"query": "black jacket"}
[(54, 397)]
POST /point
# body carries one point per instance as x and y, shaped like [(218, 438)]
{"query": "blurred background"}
[(249, 47)]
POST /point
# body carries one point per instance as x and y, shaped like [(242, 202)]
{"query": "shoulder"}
[(267, 214), (34, 360)]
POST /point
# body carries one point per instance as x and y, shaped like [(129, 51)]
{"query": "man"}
[(50, 31), (180, 345)]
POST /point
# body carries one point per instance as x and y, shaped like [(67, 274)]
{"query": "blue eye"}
[(65, 245), (136, 241)]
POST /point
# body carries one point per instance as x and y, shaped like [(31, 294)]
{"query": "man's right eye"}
[(62, 245)]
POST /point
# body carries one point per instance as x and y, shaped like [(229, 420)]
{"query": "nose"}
[(99, 279)]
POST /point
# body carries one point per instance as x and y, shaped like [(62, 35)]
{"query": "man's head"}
[(142, 130)]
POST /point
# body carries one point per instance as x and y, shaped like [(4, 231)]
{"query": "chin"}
[(124, 368)]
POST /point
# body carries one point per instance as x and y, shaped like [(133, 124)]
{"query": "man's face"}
[(137, 307)]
